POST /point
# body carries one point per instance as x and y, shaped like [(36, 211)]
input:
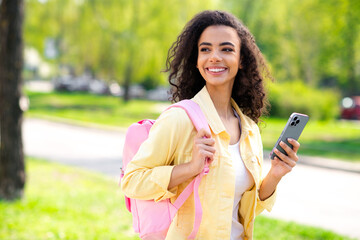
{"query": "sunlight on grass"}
[(272, 229), (107, 110), (66, 203)]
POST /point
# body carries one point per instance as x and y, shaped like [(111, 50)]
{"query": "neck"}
[(222, 101)]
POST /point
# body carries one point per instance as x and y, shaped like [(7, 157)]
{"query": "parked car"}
[(135, 91), (99, 87), (351, 108), (159, 94), (62, 83), (69, 83)]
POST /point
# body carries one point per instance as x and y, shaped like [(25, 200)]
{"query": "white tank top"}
[(243, 182)]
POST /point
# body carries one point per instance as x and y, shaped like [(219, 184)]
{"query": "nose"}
[(215, 57)]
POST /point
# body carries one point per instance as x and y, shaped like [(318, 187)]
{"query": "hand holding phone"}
[(293, 129)]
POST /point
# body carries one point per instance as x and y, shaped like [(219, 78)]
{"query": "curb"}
[(334, 164)]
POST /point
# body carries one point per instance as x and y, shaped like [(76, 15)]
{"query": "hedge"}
[(296, 96)]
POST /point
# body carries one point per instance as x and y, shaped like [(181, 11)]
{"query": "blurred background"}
[(121, 46), (92, 67)]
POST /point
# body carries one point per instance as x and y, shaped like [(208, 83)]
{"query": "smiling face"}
[(219, 55)]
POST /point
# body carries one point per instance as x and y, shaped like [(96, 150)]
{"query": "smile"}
[(216, 69)]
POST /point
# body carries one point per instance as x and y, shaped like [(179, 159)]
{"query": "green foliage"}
[(313, 40), (106, 37), (295, 96), (149, 83)]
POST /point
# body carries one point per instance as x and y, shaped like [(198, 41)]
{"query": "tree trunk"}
[(127, 82), (12, 167), (350, 36), (131, 52)]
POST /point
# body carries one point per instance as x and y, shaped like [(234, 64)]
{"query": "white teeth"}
[(216, 69)]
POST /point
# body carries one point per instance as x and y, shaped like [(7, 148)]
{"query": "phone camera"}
[(295, 122)]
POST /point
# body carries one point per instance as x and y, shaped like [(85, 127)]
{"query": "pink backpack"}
[(152, 219)]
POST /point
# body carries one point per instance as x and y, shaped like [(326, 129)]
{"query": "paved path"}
[(311, 195), (92, 148)]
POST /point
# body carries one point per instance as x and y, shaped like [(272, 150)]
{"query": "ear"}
[(240, 65)]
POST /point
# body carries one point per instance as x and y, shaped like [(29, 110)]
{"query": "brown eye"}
[(228, 50)]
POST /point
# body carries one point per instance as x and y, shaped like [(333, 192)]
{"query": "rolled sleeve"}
[(161, 177), (265, 204)]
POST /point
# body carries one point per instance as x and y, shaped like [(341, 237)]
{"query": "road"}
[(315, 196)]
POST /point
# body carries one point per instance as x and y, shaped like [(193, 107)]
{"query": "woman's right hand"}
[(203, 151)]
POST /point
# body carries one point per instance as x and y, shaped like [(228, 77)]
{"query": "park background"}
[(312, 47)]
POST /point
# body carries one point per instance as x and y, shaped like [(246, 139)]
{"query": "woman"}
[(216, 63)]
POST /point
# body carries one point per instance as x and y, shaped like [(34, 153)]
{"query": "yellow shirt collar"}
[(207, 106)]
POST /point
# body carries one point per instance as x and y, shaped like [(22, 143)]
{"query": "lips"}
[(216, 70)]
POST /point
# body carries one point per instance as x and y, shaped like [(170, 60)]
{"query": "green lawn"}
[(272, 229), (69, 203), (88, 108), (334, 139), (66, 203)]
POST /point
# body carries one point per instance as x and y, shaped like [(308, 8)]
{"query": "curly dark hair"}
[(186, 80)]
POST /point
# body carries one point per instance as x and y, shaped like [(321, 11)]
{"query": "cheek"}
[(200, 61)]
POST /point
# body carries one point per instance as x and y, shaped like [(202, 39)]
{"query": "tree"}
[(117, 40), (12, 166)]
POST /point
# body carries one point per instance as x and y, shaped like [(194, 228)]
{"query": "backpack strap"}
[(194, 112), (196, 116), (199, 120)]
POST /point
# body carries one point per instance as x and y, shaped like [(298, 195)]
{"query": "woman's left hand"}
[(280, 168)]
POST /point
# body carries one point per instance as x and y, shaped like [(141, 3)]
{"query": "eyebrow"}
[(221, 44)]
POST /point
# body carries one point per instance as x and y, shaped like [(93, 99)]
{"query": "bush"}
[(295, 96)]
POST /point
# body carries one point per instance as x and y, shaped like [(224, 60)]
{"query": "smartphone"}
[(293, 129)]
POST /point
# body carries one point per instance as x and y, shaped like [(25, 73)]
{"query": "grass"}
[(69, 203), (88, 108), (334, 139), (65, 203), (272, 229)]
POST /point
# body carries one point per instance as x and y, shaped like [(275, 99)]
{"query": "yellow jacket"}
[(170, 142)]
